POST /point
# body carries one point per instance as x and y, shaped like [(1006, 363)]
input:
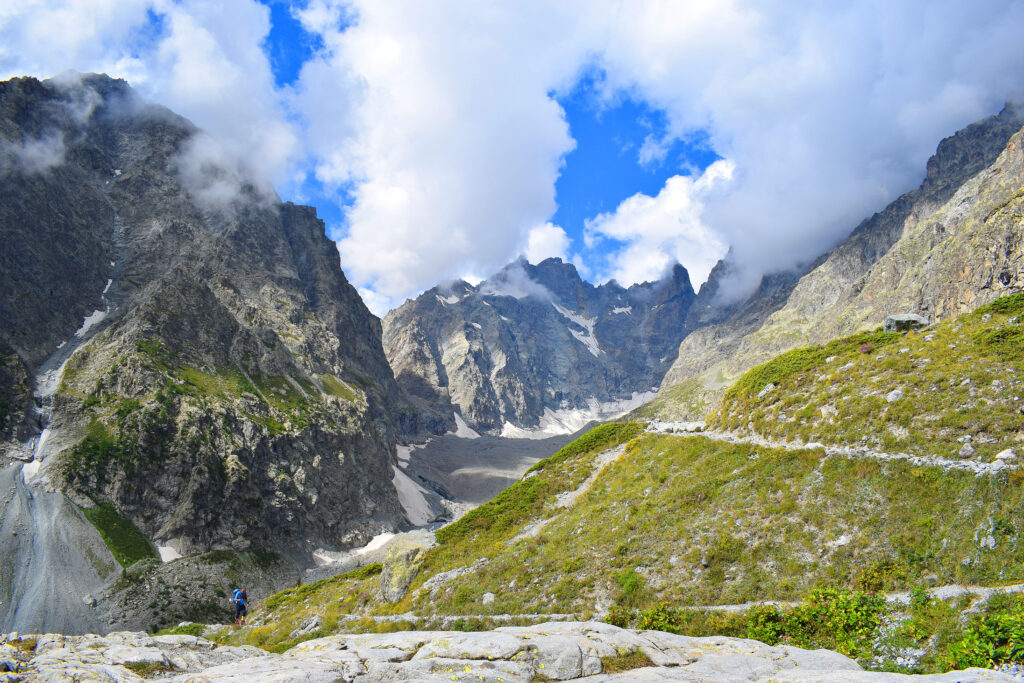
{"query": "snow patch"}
[(377, 541), (477, 326), (411, 496), (107, 288), (321, 558), (91, 321), (587, 338), (29, 470), (448, 299), (571, 420), (167, 553), (626, 309), (463, 430), (405, 452)]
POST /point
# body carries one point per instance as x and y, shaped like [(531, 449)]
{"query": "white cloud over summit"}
[(546, 241), (441, 120), (658, 231)]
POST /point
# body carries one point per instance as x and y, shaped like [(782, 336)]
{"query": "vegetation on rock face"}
[(188, 629), (126, 543), (923, 393), (15, 390)]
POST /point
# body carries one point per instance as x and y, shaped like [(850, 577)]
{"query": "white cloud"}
[(450, 135), (32, 155), (829, 112), (513, 280), (442, 119), (46, 38), (666, 228), (207, 64), (546, 241), (216, 179)]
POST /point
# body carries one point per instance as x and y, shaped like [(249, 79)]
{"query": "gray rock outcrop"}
[(558, 651), (536, 347), (401, 566), (904, 322)]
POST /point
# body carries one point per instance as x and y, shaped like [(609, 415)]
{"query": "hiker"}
[(241, 601)]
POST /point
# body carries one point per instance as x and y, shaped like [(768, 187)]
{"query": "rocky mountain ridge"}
[(180, 349), (535, 349), (942, 249)]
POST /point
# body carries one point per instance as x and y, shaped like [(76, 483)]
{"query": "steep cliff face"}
[(177, 343), (944, 248), (535, 349)]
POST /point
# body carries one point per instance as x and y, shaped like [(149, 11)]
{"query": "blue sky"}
[(603, 169), (441, 140)]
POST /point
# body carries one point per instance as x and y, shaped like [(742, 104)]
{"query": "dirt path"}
[(901, 598), (697, 429)]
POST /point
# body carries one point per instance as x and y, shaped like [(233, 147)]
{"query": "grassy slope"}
[(960, 378), (692, 521)]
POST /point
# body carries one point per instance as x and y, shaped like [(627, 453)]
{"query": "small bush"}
[(661, 617), (989, 641), (835, 619), (884, 574), (625, 660), (766, 623), (632, 586), (1007, 305), (186, 630)]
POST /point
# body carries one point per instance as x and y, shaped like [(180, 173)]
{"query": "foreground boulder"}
[(553, 651), (401, 566)]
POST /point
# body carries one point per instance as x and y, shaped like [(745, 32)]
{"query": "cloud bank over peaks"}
[(452, 145), (438, 131), (546, 241), (662, 230), (514, 281), (32, 155)]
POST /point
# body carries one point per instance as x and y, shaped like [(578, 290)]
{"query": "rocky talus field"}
[(534, 350)]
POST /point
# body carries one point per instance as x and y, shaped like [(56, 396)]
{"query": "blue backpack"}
[(237, 596)]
